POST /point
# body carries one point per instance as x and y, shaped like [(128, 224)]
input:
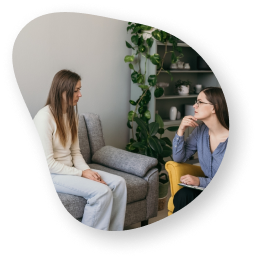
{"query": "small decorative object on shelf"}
[(187, 66), (163, 84), (173, 66), (178, 116), (183, 87), (198, 88), (173, 113), (180, 64)]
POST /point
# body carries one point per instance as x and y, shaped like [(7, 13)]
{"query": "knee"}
[(121, 181), (104, 194)]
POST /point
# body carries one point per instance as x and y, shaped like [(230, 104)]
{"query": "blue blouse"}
[(198, 140)]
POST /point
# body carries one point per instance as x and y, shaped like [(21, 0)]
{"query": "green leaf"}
[(145, 27), (132, 102), (134, 77), (161, 131), (153, 128), (167, 151), (129, 58), (155, 59), (179, 49), (142, 48), (147, 114), (175, 128), (157, 35), (173, 58), (129, 124), (155, 145), (136, 29), (162, 142), (143, 127), (129, 147), (131, 66), (168, 141), (138, 137), (150, 42), (138, 145), (128, 45), (135, 39), (140, 42), (128, 28), (142, 109), (132, 140), (163, 36), (143, 102), (159, 120), (152, 80), (158, 92), (140, 79), (144, 86), (129, 23), (151, 152), (130, 115)]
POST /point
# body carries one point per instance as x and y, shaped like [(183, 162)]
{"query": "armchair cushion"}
[(124, 160), (175, 171)]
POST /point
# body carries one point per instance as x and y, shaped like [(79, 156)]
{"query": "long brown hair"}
[(215, 96), (64, 80)]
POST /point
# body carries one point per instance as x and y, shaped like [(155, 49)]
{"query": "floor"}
[(161, 214)]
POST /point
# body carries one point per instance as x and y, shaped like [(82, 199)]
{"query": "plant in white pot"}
[(183, 87)]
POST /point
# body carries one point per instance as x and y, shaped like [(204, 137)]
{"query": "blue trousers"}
[(106, 204)]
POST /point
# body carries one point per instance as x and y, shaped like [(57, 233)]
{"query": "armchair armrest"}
[(176, 170), (125, 161)]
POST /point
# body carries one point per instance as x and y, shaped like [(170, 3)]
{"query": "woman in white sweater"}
[(57, 125)]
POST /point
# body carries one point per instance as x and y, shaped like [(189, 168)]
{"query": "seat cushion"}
[(74, 204), (136, 186)]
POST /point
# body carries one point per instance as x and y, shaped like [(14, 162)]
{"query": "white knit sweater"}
[(60, 160)]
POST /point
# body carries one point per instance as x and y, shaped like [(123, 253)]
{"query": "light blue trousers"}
[(106, 204)]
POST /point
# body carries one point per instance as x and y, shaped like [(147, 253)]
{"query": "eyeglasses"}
[(198, 103)]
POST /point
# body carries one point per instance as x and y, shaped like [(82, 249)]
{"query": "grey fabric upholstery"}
[(138, 171), (84, 140), (124, 160), (95, 133)]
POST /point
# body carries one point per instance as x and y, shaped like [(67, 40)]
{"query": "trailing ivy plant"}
[(145, 141)]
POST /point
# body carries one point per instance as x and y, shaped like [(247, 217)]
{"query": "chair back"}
[(90, 135)]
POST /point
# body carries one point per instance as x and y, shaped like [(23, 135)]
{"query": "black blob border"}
[(198, 215)]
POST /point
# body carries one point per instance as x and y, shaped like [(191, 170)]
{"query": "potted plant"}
[(163, 191), (145, 138), (183, 87)]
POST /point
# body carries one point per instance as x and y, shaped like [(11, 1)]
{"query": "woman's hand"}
[(92, 175), (187, 121), (190, 180)]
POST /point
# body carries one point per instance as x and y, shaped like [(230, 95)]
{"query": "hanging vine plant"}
[(144, 140)]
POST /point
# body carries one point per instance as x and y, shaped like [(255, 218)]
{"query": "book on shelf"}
[(192, 186)]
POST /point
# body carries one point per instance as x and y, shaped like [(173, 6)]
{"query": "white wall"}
[(92, 46)]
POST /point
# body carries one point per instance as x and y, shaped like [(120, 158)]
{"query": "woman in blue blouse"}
[(209, 139)]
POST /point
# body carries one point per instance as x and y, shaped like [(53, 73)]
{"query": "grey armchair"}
[(139, 172)]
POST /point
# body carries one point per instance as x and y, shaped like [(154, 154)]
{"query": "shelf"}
[(179, 44), (177, 96), (168, 122), (187, 71)]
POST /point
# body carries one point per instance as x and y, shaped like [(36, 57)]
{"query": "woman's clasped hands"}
[(92, 175)]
